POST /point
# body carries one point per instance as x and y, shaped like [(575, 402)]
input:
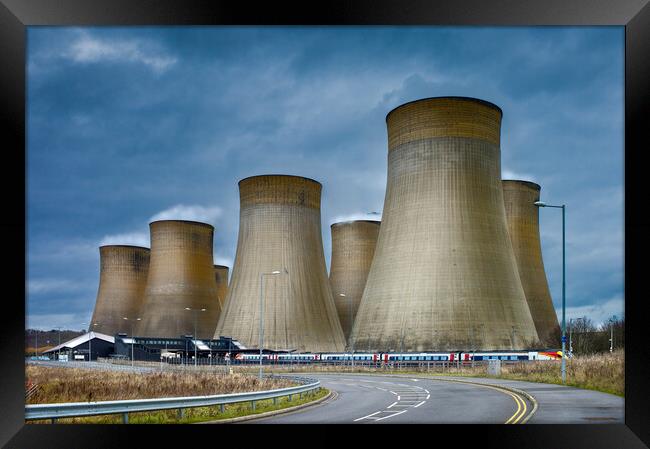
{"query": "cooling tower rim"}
[(279, 175), (523, 181), (125, 246), (450, 97), (378, 222), (221, 266), (183, 221)]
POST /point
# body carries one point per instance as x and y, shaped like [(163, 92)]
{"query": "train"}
[(402, 358)]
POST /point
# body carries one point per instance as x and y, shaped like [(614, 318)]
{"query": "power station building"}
[(181, 277), (523, 226), (444, 274), (280, 267), (353, 245), (122, 281)]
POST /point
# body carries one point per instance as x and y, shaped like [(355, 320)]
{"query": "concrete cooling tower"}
[(444, 275), (181, 275), (122, 281), (280, 228), (353, 245), (221, 277), (523, 225)]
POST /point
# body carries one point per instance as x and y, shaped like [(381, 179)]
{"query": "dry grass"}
[(81, 385), (602, 372)]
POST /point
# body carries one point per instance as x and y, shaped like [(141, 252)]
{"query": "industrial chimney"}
[(353, 245), (181, 277), (444, 275), (280, 229), (221, 277), (523, 226), (122, 281)]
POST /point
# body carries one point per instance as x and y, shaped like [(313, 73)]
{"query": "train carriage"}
[(401, 358)]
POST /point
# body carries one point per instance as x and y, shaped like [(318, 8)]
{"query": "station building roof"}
[(80, 340)]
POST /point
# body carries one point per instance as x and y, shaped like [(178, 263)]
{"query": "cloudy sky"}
[(130, 125)]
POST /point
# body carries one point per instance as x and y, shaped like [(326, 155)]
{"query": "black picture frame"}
[(16, 15)]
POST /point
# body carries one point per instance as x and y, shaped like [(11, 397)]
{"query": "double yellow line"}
[(521, 403)]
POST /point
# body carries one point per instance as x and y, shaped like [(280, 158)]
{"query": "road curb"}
[(269, 413)]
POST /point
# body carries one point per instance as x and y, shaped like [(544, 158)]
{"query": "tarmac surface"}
[(365, 399)]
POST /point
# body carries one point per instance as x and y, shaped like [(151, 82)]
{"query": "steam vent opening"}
[(280, 231), (444, 274)]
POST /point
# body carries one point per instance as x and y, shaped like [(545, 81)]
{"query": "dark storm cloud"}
[(125, 124)]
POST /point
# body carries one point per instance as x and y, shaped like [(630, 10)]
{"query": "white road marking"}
[(407, 397), (390, 416), (368, 416)]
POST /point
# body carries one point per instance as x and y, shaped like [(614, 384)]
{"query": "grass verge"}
[(198, 414)]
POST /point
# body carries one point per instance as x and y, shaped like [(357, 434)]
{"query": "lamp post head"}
[(539, 204), (275, 272), (342, 294), (124, 318), (203, 310), (187, 308)]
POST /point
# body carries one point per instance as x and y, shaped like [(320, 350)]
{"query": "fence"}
[(124, 407)]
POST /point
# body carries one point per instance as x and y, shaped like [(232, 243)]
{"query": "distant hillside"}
[(51, 336)]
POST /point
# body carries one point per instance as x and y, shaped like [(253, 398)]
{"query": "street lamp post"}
[(563, 207), (90, 352), (58, 356), (262, 313), (132, 336), (350, 337), (195, 338), (611, 334)]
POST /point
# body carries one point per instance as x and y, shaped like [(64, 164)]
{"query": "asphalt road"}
[(366, 399)]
